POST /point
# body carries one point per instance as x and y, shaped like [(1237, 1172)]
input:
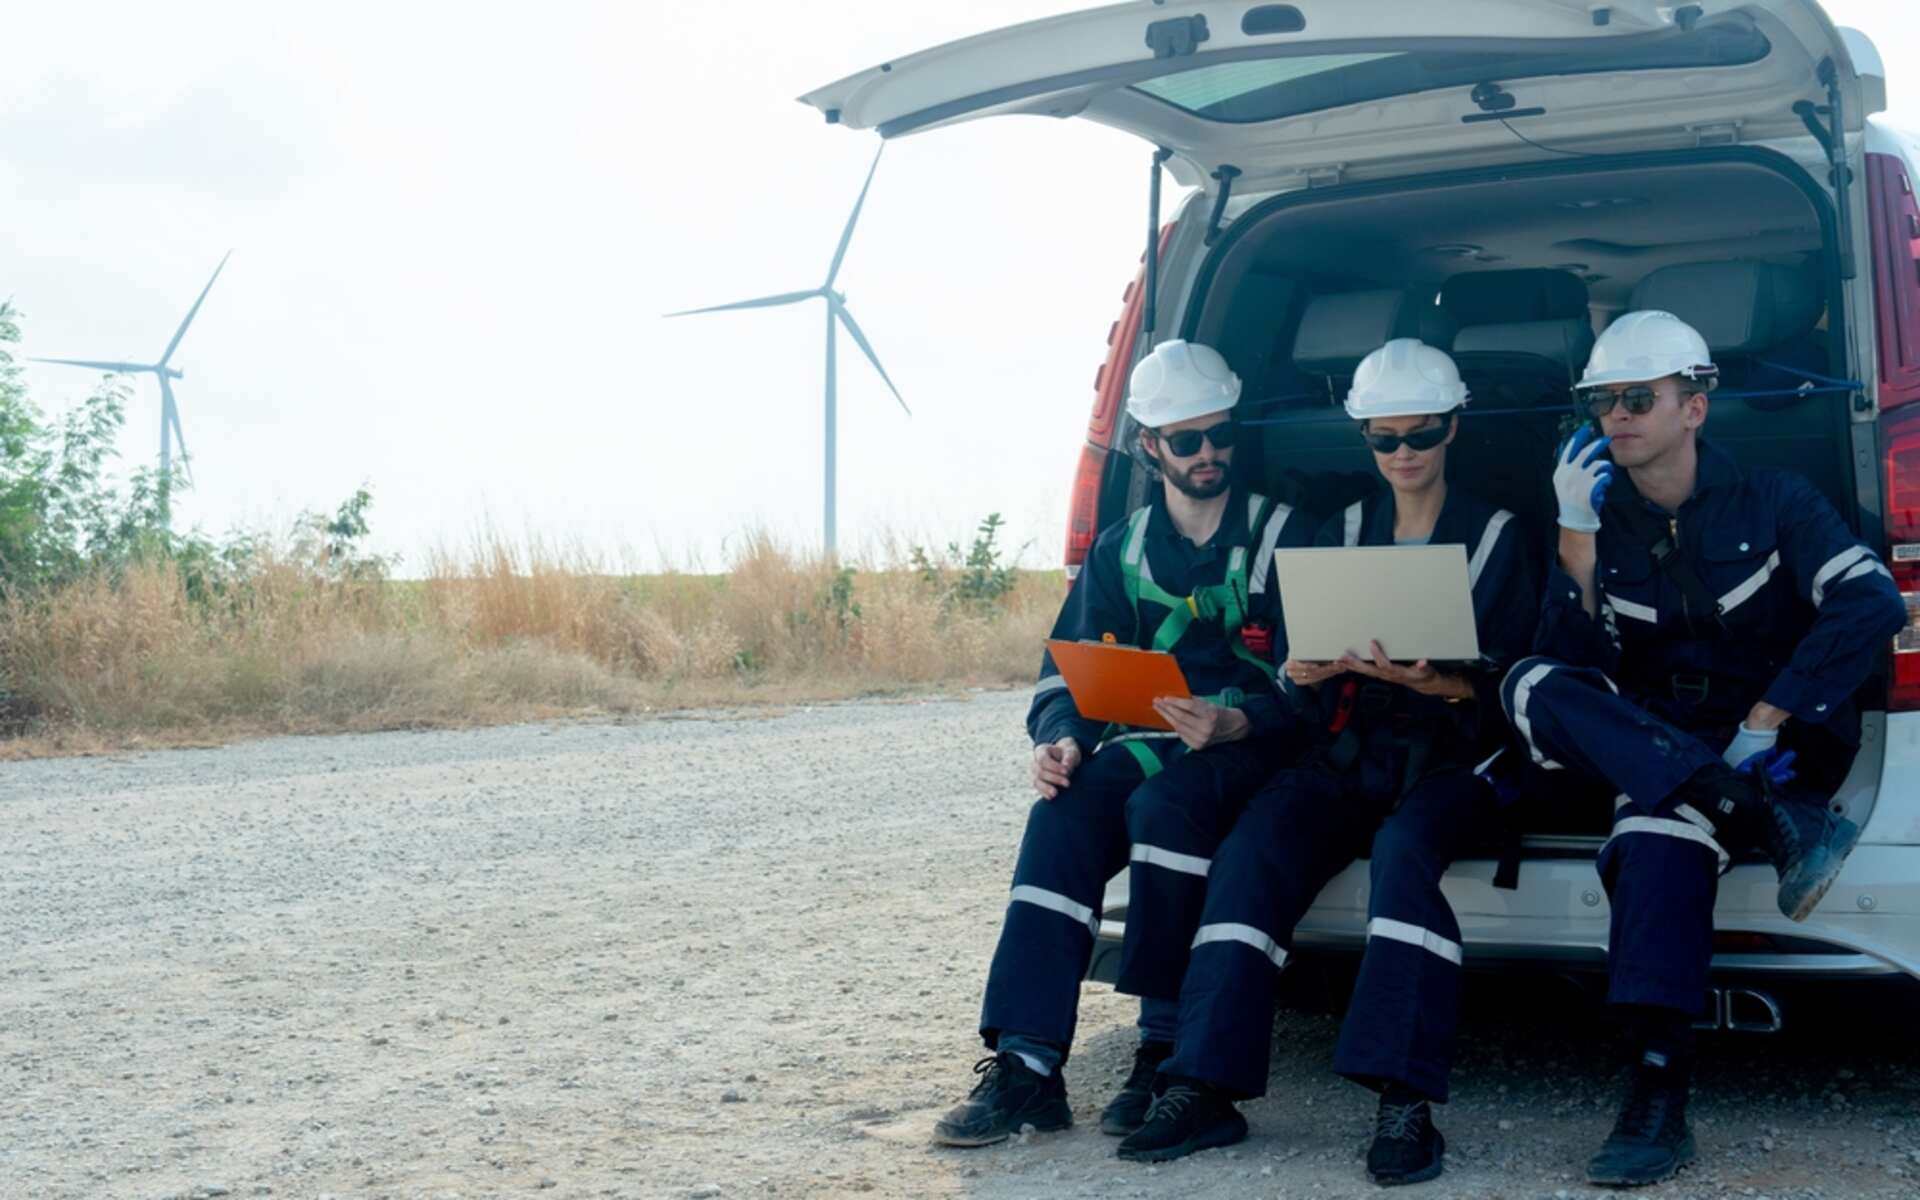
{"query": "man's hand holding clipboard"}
[(1142, 688)]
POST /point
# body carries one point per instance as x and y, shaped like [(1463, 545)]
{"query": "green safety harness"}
[(1229, 602)]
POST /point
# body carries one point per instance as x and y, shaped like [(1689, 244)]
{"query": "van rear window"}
[(1268, 88)]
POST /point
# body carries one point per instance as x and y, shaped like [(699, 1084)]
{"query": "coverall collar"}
[(1379, 527), (1232, 530), (1716, 469)]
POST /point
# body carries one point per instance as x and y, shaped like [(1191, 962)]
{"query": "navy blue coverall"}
[(1652, 690), (1141, 797), (1311, 821)]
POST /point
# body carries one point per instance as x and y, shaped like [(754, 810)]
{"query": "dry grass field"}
[(501, 631)]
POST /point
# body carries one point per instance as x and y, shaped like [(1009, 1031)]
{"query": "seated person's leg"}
[(1575, 718), (1398, 1036), (1175, 821), (1294, 836), (1662, 886), (1073, 844)]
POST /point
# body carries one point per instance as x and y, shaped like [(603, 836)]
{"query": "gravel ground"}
[(705, 956)]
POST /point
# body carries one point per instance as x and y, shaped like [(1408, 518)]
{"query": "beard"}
[(1184, 484)]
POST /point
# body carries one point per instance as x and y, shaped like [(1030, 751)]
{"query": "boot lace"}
[(1401, 1122), (992, 1072), (1173, 1103), (1645, 1112)]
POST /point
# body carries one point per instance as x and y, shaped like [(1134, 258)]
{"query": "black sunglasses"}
[(1599, 401), (1186, 443), (1420, 439)]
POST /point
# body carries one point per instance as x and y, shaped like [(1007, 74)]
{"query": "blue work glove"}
[(1776, 765), (1580, 478), (1747, 743)]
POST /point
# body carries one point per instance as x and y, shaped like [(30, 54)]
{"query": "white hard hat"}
[(1643, 346), (1180, 381), (1405, 378)]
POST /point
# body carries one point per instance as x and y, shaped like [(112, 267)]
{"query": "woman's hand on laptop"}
[(1311, 674), (1202, 723), (1420, 677)]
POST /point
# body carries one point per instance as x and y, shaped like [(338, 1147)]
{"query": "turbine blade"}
[(170, 419), (846, 235), (860, 339), (182, 331), (762, 302), (180, 440), (119, 368)]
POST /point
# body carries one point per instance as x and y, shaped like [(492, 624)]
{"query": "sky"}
[(455, 230)]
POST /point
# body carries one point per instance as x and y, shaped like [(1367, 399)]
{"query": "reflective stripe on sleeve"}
[(1867, 566), (1172, 860), (1832, 568), (1413, 935), (1048, 683), (1244, 934)]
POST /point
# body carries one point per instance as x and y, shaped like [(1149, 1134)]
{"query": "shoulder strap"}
[(1656, 537), (1133, 553)]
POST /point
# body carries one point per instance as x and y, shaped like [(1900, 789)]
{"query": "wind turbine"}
[(837, 314), (166, 373)]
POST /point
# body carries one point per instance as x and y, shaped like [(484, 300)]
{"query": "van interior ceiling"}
[(1515, 273)]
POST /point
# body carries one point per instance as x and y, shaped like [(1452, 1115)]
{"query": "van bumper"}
[(1868, 926)]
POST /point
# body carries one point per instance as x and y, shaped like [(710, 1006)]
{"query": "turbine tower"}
[(837, 314), (163, 370)]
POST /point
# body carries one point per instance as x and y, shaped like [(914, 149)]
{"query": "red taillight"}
[(1083, 512), (1900, 434), (1109, 389), (1894, 218)]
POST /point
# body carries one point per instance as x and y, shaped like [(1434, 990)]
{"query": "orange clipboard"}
[(1118, 683)]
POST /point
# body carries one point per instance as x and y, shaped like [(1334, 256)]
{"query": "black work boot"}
[(1406, 1146), (1806, 842), (1185, 1117), (1128, 1110), (1010, 1096), (1650, 1141)]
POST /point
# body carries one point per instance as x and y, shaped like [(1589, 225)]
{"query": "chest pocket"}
[(1626, 581), (1740, 564)]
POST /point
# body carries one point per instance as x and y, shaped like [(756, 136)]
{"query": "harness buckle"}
[(1691, 689)]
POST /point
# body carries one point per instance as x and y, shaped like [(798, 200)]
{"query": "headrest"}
[(1504, 297), (1561, 346), (1738, 307), (1338, 330)]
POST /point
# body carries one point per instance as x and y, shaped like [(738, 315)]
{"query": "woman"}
[(1397, 768)]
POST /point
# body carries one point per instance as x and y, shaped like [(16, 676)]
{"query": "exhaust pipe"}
[(1741, 1010)]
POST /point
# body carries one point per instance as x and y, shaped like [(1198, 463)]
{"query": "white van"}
[(1502, 178)]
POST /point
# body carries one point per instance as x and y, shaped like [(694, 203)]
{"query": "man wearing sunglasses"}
[(1396, 773), (1699, 647), (1190, 574)]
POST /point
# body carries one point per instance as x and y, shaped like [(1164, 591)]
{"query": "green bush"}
[(62, 517), (976, 581)]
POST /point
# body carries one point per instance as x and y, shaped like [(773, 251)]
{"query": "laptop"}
[(1414, 600)]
